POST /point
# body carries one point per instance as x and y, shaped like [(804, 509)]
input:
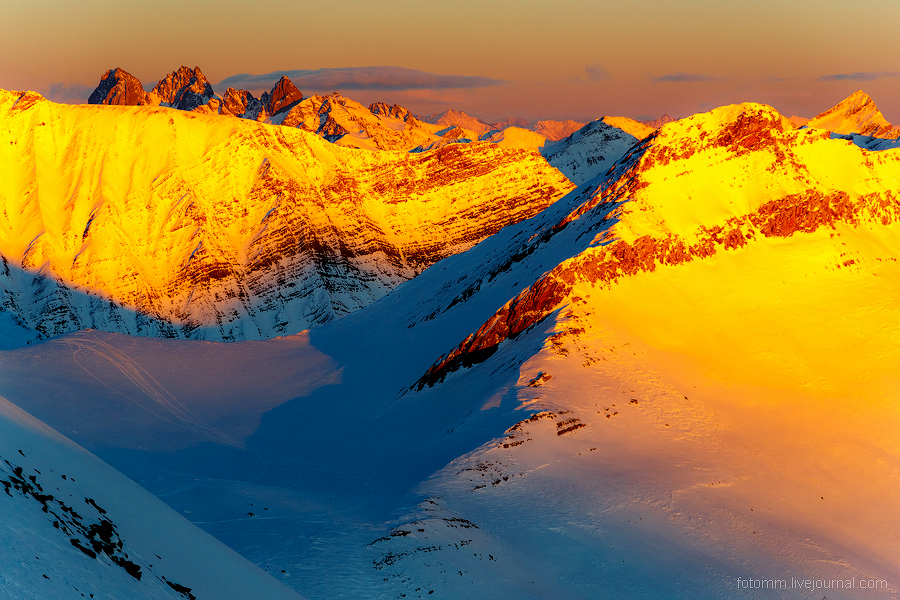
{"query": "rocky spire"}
[(283, 96), (396, 111), (240, 103), (184, 89), (120, 88)]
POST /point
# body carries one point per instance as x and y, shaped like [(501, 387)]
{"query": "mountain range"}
[(643, 362), (229, 229), (378, 127)]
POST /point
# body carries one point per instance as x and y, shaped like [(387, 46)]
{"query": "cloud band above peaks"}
[(859, 76), (684, 77), (361, 78)]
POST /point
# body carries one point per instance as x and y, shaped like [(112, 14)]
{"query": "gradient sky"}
[(578, 59)]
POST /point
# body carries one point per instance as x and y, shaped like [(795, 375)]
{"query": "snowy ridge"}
[(458, 118), (642, 231), (598, 393), (516, 137), (184, 225), (599, 435), (348, 123), (594, 148), (856, 114)]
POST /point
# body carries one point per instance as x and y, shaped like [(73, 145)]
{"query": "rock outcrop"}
[(283, 97), (120, 88), (184, 89), (240, 103)]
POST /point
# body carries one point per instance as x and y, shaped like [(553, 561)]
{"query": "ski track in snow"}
[(156, 392)]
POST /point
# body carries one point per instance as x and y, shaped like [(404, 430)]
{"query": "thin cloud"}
[(362, 78), (68, 93), (859, 76), (684, 77), (596, 72)]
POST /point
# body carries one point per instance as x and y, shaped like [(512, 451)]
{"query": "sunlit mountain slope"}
[(678, 377), (129, 218), (717, 378), (457, 118), (855, 114), (516, 137), (348, 123)]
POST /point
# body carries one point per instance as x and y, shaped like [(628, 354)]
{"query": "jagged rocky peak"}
[(120, 88), (283, 97), (184, 89), (240, 103), (855, 114), (395, 112)]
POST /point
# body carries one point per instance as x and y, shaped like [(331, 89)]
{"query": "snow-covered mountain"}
[(516, 137), (343, 121), (594, 148), (856, 114), (675, 380), (457, 118), (74, 527), (157, 221), (348, 123)]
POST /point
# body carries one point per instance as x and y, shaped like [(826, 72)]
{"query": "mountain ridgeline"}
[(210, 227), (644, 362), (163, 222)]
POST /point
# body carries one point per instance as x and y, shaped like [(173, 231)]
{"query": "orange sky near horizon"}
[(576, 59)]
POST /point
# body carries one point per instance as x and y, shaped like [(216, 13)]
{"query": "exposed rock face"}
[(395, 112), (119, 88), (284, 96), (452, 133), (188, 89), (184, 89), (241, 104), (207, 228)]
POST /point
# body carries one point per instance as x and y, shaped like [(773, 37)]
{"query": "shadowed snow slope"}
[(227, 228), (677, 378), (594, 148), (74, 527)]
